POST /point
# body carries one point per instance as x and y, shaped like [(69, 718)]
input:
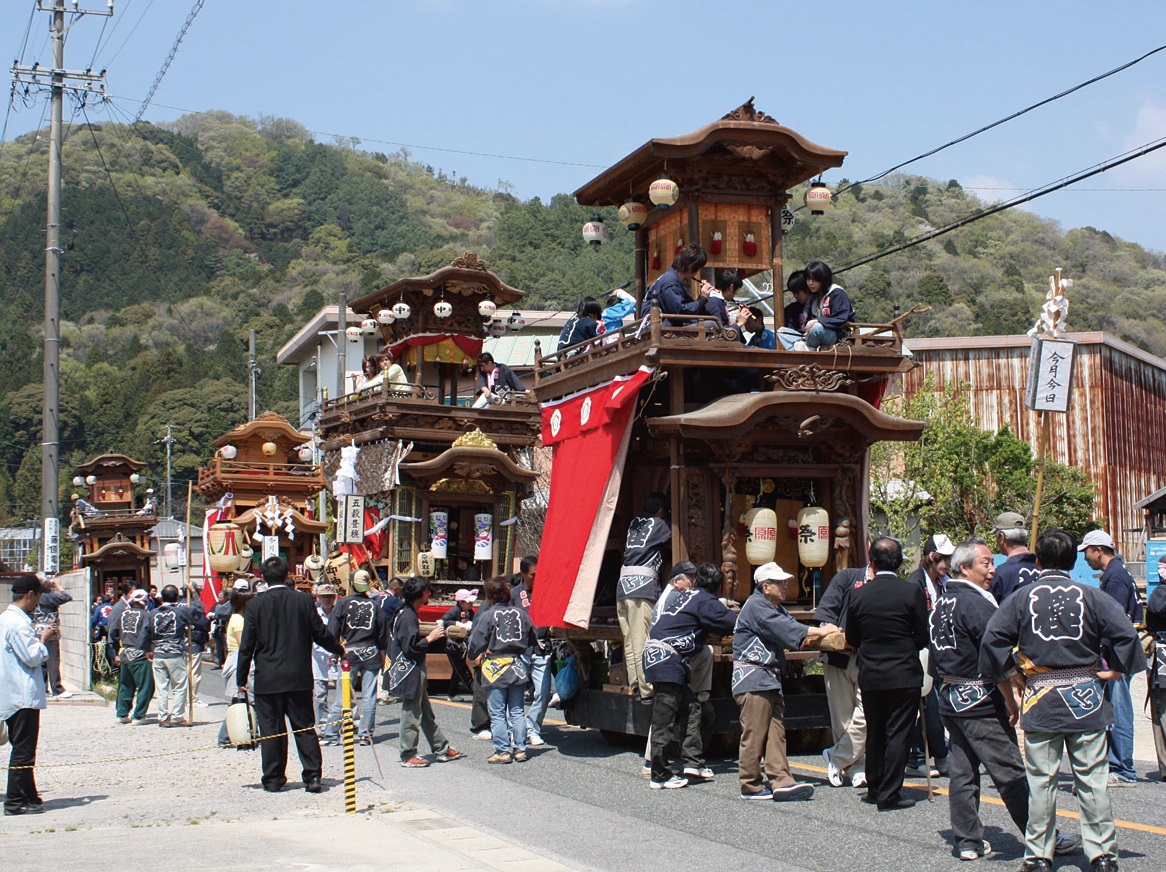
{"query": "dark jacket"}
[(833, 310), (504, 637), (360, 622), (1119, 584), (672, 296), (407, 650), (958, 621), (760, 639), (278, 634), (887, 623), (835, 604), (169, 624), (504, 378), (131, 636), (1017, 571), (577, 329), (679, 626)]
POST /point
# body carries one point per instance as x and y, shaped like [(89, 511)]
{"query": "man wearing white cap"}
[(763, 632), (359, 623), (1118, 583)]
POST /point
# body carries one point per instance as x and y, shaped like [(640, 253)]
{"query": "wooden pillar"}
[(641, 267), (777, 261), (693, 232), (675, 482)]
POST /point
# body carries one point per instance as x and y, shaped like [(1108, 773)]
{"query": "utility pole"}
[(168, 442), (254, 372), (82, 84)]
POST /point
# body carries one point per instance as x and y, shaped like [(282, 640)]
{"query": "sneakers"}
[(976, 853), (799, 790), (833, 773), (1104, 864), (163, 722), (535, 740), (1116, 780), (1066, 843), (414, 763), (483, 735), (672, 783), (65, 694), (519, 757), (329, 740), (137, 722), (646, 772), (920, 771), (363, 740), (1036, 864), (124, 719), (498, 758), (449, 755), (763, 793), (698, 776), (858, 780)]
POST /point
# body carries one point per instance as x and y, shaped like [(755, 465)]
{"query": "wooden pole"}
[(1042, 449)]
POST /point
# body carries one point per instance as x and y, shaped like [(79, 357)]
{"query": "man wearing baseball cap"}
[(1020, 567), (359, 623), (23, 653), (1116, 581), (763, 633)]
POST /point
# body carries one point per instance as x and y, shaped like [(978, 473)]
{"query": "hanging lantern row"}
[(442, 309), (386, 317), (632, 214), (228, 452), (369, 326), (818, 198), (595, 231), (402, 310), (663, 192), (353, 333), (487, 308)]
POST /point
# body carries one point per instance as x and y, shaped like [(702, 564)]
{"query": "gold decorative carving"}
[(469, 260), (809, 377), (474, 439), (460, 486), (748, 112)]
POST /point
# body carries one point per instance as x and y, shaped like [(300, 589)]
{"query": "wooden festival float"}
[(110, 529), (778, 473), (259, 488), (444, 479)]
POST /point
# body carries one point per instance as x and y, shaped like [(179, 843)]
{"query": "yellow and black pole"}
[(348, 733)]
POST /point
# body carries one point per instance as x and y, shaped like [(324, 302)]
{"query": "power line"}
[(1004, 120), (169, 58), (141, 17), (1016, 201)]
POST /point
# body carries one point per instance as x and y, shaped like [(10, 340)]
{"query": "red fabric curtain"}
[(587, 433), (469, 346)]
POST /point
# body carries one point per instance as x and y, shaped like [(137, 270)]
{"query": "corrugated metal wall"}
[(1115, 428)]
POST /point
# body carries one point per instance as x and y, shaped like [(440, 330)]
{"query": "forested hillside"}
[(181, 239)]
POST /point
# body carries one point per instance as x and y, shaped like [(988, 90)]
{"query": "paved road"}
[(583, 800)]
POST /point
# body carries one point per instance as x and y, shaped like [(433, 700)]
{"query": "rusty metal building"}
[(1115, 428)]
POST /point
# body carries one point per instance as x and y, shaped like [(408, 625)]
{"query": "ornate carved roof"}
[(472, 463), (466, 275), (119, 552), (744, 143), (789, 417), (109, 464), (270, 427)]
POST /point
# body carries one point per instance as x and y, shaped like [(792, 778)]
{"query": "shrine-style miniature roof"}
[(107, 464), (116, 552), (269, 426), (787, 416), (469, 462), (248, 520), (466, 275), (745, 142)]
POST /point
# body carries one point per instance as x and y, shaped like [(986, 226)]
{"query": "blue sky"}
[(583, 82)]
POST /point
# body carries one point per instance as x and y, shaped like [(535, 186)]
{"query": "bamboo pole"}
[(189, 626), (1042, 449)]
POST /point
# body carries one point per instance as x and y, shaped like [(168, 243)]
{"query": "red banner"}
[(589, 435)]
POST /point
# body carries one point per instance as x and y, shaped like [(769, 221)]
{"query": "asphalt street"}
[(583, 801)]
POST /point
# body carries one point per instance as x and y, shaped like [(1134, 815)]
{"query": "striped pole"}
[(348, 733)]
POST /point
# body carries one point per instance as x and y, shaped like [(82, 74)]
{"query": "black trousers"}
[(674, 707), (23, 732), (271, 710), (480, 712), (456, 652), (52, 667), (890, 720), (990, 742)]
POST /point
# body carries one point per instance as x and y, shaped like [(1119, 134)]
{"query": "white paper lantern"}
[(306, 454), (595, 232), (515, 322), (813, 537), (228, 452), (90, 479), (425, 567), (632, 214), (663, 192), (353, 333), (483, 536), (386, 317), (78, 481), (817, 198), (761, 544), (134, 478), (439, 534), (487, 308), (787, 221), (369, 326), (170, 555), (442, 309), (497, 328), (402, 310)]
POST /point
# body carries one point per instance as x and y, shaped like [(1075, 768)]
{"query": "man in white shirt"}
[(22, 691)]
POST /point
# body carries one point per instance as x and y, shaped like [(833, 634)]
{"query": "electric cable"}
[(1063, 182), (1004, 120)]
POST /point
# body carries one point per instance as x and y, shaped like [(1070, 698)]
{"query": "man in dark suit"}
[(887, 623), (278, 633)]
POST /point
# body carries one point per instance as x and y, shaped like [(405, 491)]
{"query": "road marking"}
[(992, 800)]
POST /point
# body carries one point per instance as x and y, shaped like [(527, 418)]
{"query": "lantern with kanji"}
[(813, 537), (663, 192), (595, 232), (487, 308), (402, 310), (353, 333), (442, 309), (632, 214), (425, 564), (483, 536), (369, 326), (817, 198), (386, 317), (761, 541)]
